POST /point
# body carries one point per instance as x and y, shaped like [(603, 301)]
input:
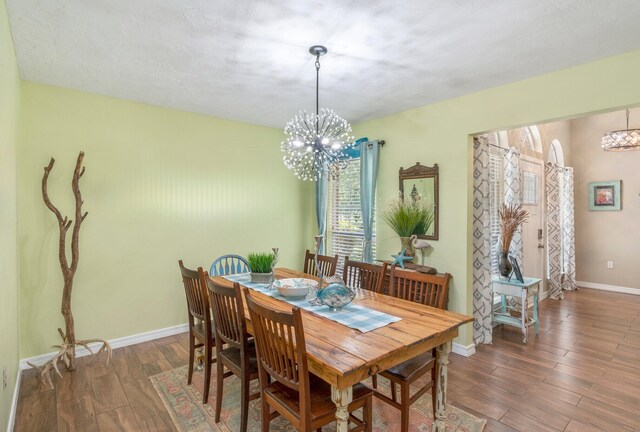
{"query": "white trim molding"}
[(465, 351), (115, 343), (14, 402), (604, 287), (543, 296)]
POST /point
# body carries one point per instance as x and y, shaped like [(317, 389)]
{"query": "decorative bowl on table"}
[(294, 287), (335, 295)]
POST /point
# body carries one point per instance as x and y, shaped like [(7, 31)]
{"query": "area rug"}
[(184, 404)]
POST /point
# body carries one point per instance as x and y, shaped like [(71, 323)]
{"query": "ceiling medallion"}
[(316, 144)]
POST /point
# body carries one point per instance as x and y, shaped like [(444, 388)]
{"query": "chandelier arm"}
[(306, 125), (323, 128)]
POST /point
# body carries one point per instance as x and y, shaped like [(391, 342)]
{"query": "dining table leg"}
[(439, 409), (342, 398)]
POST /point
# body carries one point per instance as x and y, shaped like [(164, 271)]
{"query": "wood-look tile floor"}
[(582, 373)]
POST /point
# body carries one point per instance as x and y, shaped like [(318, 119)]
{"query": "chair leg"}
[(219, 389), (405, 406), (367, 414), (374, 381), (393, 392), (266, 416), (192, 353), (244, 407), (207, 375)]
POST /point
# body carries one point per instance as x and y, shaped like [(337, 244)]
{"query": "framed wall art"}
[(605, 196)]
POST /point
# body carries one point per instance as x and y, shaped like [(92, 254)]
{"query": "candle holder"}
[(273, 266)]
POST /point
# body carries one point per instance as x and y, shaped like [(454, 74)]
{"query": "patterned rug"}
[(184, 404)]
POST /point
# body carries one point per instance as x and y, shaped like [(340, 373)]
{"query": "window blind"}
[(346, 232)]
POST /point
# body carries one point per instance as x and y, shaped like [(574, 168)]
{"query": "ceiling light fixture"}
[(622, 140), (316, 144)]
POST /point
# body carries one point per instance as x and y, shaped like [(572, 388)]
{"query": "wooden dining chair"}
[(286, 383), (430, 290), (229, 264), (240, 356), (367, 276), (327, 264), (201, 328)]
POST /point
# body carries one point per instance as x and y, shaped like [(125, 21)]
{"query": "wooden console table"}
[(515, 288)]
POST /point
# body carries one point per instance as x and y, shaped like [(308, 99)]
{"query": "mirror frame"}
[(421, 171)]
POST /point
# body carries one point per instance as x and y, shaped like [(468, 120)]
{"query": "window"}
[(495, 201), (530, 193), (556, 155), (346, 233)]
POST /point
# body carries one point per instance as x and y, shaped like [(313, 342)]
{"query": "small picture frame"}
[(605, 196), (516, 269)]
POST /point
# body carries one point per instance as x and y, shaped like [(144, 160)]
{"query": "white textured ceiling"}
[(248, 60)]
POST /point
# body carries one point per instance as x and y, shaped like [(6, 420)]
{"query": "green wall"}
[(160, 185), (440, 133), (9, 109)]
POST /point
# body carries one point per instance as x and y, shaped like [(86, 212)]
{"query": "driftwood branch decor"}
[(67, 351)]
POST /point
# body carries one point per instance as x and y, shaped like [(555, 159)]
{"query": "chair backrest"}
[(280, 344), (430, 290), (195, 288), (228, 314), (327, 264), (364, 275), (229, 264)]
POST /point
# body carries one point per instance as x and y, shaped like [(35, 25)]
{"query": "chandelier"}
[(622, 140), (316, 145)]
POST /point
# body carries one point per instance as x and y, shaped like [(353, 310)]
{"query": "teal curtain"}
[(369, 155), (322, 199)]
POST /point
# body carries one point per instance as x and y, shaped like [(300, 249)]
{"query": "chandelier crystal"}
[(316, 145), (622, 140)]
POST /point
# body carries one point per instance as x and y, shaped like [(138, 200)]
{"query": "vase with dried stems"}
[(511, 217), (67, 350)]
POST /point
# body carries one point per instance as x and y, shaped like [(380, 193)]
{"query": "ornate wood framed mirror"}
[(420, 182)]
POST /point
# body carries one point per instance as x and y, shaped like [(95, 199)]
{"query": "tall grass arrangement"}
[(261, 262), (407, 217), (511, 217)]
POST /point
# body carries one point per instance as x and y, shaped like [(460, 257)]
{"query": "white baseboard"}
[(14, 402), (115, 343), (543, 296), (625, 290), (466, 351)]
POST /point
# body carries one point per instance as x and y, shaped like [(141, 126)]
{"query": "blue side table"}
[(515, 288)]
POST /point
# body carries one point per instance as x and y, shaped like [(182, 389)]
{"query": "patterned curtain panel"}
[(568, 230), (561, 248), (482, 295), (512, 195), (554, 233)]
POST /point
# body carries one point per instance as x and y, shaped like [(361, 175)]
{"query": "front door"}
[(532, 184)]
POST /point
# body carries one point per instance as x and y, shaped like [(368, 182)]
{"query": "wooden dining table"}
[(343, 356)]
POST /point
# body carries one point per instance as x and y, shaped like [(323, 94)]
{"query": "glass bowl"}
[(336, 296)]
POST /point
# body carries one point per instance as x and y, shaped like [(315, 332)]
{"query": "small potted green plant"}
[(261, 265), (407, 218)]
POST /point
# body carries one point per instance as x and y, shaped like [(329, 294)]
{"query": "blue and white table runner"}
[(354, 316)]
